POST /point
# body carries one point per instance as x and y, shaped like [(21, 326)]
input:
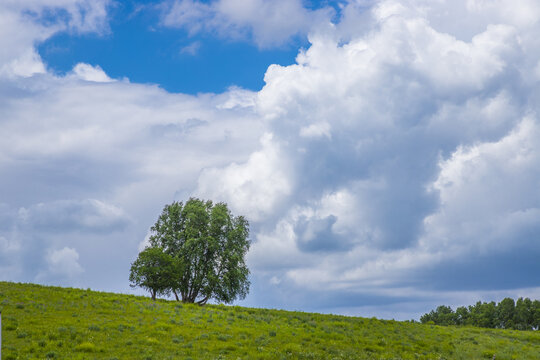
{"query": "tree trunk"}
[(176, 295), (191, 295), (153, 293), (203, 301)]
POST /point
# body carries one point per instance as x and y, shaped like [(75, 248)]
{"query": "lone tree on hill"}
[(207, 246)]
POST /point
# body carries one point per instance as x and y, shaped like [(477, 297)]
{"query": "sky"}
[(385, 152)]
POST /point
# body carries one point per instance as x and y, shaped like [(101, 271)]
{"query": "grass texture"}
[(40, 322)]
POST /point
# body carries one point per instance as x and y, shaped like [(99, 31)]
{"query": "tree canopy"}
[(207, 246), (523, 314), (153, 270)]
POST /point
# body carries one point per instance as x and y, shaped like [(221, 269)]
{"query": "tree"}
[(535, 309), (208, 245), (524, 316), (462, 316), (153, 270), (506, 313)]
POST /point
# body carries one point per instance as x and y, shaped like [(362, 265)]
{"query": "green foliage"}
[(442, 316), (507, 314), (207, 246), (154, 270)]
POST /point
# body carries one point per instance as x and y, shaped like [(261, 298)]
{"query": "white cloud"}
[(79, 138), (254, 188), (489, 195), (237, 98), (276, 251), (191, 49), (88, 72), (27, 63), (524, 14), (81, 15), (133, 147), (268, 23), (62, 265), (70, 215), (489, 206), (396, 155), (23, 24), (397, 98), (316, 130)]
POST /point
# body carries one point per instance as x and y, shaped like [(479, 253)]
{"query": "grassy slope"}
[(49, 322)]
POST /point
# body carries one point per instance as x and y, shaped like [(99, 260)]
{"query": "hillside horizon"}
[(54, 322)]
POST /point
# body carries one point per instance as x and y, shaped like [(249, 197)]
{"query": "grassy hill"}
[(41, 322)]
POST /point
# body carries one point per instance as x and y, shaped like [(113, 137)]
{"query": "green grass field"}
[(41, 322)]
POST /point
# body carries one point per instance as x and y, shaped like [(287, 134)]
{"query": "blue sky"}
[(137, 45), (384, 151)]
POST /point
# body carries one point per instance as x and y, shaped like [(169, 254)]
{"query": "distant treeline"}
[(522, 314)]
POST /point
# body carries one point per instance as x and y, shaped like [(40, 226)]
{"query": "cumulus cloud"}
[(74, 215), (256, 186), (489, 195), (267, 23), (92, 162), (37, 242), (411, 111), (124, 149), (62, 265), (23, 24), (394, 165)]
